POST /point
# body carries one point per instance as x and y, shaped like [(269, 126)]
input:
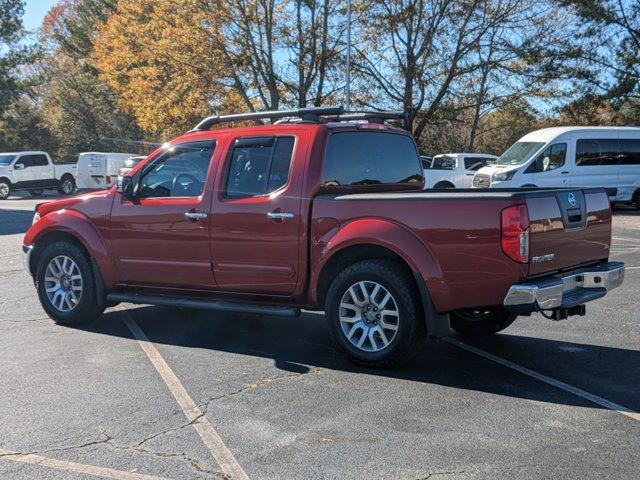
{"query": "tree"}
[(423, 55), (11, 55)]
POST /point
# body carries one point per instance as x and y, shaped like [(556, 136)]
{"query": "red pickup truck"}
[(321, 210)]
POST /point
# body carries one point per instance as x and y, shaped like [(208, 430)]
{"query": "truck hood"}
[(48, 207)]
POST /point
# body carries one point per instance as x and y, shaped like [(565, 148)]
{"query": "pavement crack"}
[(431, 475)]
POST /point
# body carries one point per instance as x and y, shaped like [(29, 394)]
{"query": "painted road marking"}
[(551, 381), (80, 468), (208, 434)]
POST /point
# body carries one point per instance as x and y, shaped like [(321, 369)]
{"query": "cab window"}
[(181, 171)]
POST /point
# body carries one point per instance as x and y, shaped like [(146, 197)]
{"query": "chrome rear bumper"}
[(565, 290)]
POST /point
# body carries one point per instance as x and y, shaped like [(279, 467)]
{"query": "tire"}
[(67, 185), (483, 322), (35, 193), (85, 309), (444, 185), (636, 198), (403, 342), (5, 189)]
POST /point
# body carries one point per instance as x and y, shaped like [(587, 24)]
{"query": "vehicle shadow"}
[(626, 210), (14, 221), (297, 345)]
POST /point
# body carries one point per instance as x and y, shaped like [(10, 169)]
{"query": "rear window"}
[(371, 158), (443, 162)]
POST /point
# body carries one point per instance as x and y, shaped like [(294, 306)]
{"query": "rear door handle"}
[(280, 215), (195, 215), (564, 173)]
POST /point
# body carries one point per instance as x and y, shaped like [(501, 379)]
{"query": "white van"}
[(455, 170), (98, 170), (606, 157)]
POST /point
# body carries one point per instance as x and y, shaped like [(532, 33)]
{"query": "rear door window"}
[(259, 165), (371, 158), (630, 151)]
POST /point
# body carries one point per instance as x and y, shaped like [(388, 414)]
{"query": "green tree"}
[(11, 54)]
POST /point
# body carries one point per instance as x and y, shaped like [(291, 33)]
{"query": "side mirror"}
[(18, 166), (126, 187)]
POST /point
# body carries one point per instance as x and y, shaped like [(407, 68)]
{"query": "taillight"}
[(514, 233)]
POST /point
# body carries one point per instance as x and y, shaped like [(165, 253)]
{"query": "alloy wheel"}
[(369, 316), (63, 283)]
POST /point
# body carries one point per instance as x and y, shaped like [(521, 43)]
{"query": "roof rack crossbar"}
[(372, 117), (311, 114)]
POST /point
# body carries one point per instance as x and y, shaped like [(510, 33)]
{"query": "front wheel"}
[(65, 284), (481, 322), (67, 185), (5, 189), (373, 313)]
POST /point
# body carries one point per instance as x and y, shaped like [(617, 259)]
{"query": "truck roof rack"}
[(307, 115)]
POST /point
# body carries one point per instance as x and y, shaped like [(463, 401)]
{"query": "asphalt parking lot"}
[(157, 393)]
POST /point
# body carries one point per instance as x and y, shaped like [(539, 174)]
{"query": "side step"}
[(220, 306)]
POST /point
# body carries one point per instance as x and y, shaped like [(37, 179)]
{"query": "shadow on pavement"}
[(626, 211), (14, 221), (296, 344)]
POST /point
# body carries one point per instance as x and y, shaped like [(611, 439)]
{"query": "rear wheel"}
[(636, 198), (374, 315), (67, 185), (65, 284), (35, 193), (481, 322), (444, 185), (5, 189)]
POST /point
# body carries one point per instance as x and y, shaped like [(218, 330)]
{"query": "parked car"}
[(99, 170), (128, 165), (321, 215), (606, 157), (455, 170), (34, 172)]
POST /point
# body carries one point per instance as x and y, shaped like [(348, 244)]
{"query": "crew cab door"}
[(255, 225), (161, 236)]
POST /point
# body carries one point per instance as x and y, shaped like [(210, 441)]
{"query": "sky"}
[(34, 12)]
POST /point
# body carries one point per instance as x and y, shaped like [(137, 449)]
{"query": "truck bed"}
[(461, 230)]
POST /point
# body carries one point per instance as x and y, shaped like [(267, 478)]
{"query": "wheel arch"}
[(363, 239), (75, 227), (444, 184), (7, 180)]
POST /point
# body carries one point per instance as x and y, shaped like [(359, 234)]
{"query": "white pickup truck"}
[(455, 170), (34, 172)]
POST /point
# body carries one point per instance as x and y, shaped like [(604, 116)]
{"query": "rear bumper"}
[(565, 290)]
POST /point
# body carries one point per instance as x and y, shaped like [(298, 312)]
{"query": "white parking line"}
[(80, 468), (228, 464), (551, 381)]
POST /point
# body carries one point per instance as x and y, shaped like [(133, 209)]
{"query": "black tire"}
[(636, 198), (5, 189), (444, 185), (411, 328), (67, 185), (35, 193), (481, 322), (87, 309)]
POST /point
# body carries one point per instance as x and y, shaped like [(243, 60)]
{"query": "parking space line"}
[(207, 433), (80, 468), (603, 402)]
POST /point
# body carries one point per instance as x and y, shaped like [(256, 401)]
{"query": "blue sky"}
[(34, 12)]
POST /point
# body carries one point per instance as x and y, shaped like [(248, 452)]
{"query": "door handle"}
[(564, 173), (280, 215), (195, 215)]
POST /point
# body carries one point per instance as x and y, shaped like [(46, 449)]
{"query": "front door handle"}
[(195, 215), (280, 215), (564, 173)]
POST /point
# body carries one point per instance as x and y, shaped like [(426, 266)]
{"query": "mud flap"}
[(438, 324)]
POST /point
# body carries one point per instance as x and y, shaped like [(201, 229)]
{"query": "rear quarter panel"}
[(456, 242)]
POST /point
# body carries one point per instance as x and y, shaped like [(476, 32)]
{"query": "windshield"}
[(519, 153), (443, 162), (6, 159)]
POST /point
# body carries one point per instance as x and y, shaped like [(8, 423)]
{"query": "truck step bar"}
[(220, 306)]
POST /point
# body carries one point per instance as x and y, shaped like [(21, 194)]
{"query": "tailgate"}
[(568, 228)]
